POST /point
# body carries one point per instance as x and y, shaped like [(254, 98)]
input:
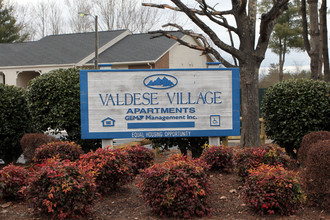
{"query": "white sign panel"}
[(159, 103)]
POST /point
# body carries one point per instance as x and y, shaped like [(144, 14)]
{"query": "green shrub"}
[(61, 189), (30, 142), (141, 157), (269, 190), (308, 141), (177, 188), (294, 108), (316, 175), (63, 150), (14, 121), (111, 167), (58, 105), (219, 158), (248, 158), (12, 179)]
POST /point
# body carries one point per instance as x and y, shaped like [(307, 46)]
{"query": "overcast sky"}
[(293, 59)]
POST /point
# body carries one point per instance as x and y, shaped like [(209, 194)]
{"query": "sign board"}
[(159, 103)]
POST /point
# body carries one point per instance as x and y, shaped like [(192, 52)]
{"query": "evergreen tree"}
[(287, 32), (9, 29)]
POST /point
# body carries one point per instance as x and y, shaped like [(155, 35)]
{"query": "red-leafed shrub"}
[(316, 174), (30, 142), (307, 142), (248, 158), (273, 189), (63, 150), (141, 157), (177, 188), (219, 158), (111, 167), (12, 179), (61, 189)]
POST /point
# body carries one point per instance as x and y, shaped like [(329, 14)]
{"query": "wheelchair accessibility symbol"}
[(215, 120)]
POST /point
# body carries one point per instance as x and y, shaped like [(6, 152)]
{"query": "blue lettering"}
[(137, 97), (200, 97), (210, 98), (153, 98), (169, 98), (217, 97), (103, 101), (128, 102), (189, 102)]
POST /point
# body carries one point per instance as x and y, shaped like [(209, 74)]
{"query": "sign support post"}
[(214, 141), (106, 143)]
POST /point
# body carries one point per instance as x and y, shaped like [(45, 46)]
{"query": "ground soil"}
[(126, 203)]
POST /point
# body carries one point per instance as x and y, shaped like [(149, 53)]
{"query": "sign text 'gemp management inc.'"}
[(159, 103)]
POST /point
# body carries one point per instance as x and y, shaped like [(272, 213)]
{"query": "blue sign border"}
[(85, 134)]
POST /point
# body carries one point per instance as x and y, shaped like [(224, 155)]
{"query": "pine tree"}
[(9, 29)]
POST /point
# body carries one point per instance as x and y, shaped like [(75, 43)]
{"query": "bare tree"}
[(80, 24), (127, 14), (41, 12), (107, 12), (25, 21), (250, 52), (55, 16)]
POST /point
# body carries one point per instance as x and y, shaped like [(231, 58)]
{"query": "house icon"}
[(108, 122)]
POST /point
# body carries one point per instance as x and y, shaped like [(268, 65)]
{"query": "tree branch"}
[(199, 12), (268, 20), (207, 30), (206, 48), (210, 13)]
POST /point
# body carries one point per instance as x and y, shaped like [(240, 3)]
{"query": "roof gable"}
[(138, 48)]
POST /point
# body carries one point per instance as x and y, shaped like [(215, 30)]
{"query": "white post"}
[(106, 143), (214, 141)]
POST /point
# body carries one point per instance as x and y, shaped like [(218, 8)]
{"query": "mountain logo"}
[(160, 81)]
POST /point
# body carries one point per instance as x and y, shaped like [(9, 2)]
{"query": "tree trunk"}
[(314, 40), (280, 63), (250, 132), (324, 37)]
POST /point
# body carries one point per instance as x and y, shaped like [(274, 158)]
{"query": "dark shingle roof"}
[(55, 49), (72, 48), (138, 47)]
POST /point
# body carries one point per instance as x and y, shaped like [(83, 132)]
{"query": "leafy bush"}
[(219, 158), (58, 105), (63, 150), (30, 142), (14, 121), (308, 141), (111, 167), (270, 189), (316, 175), (177, 188), (294, 108), (141, 157), (248, 158), (61, 189), (12, 179)]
